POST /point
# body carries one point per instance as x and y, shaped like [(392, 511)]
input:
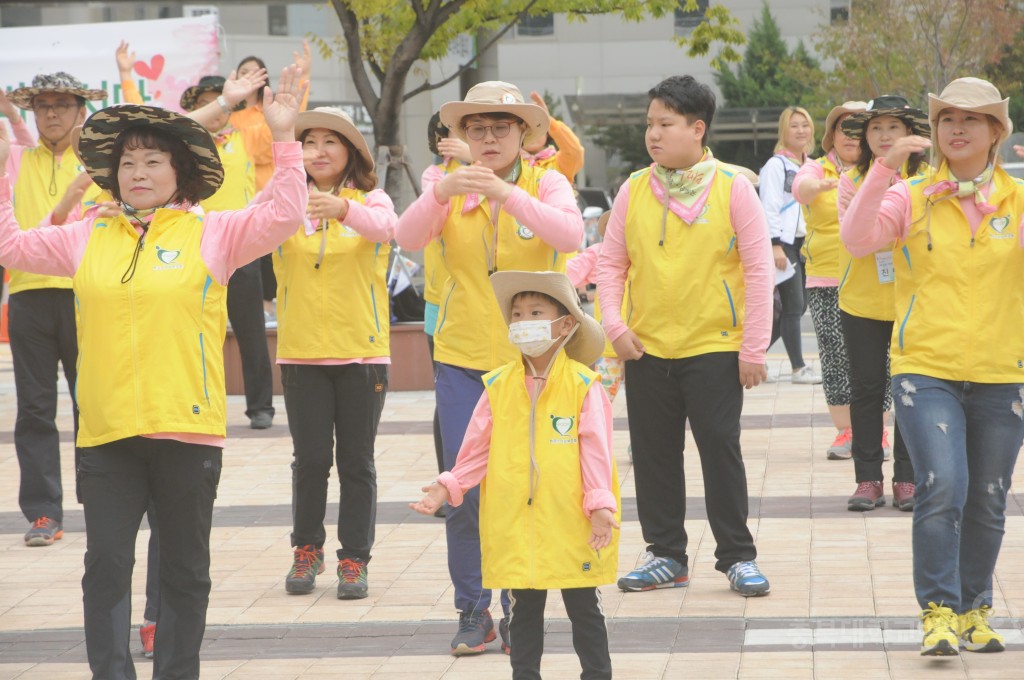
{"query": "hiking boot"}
[(842, 447), (506, 646), (655, 572), (806, 376), (147, 633), (308, 562), (352, 583), (476, 629), (903, 496), (868, 496), (747, 580), (261, 421), (940, 638), (44, 531), (886, 447), (975, 633)]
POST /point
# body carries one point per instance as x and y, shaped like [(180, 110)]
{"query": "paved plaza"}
[(841, 606)]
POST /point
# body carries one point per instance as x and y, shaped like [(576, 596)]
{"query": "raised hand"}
[(280, 109), (305, 60), (125, 60), (1019, 150), (901, 149), (7, 107), (72, 197), (237, 88), (5, 149), (453, 147), (539, 101)]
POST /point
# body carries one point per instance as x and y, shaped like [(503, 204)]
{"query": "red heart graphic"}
[(156, 95), (153, 69)]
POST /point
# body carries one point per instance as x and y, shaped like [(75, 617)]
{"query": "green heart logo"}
[(167, 256), (563, 426), (1000, 223)]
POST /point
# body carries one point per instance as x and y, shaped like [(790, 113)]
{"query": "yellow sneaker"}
[(975, 633), (940, 625)]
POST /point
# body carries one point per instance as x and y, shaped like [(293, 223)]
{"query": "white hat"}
[(336, 120), (495, 96), (971, 94)]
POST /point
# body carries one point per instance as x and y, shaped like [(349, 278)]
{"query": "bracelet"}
[(223, 104)]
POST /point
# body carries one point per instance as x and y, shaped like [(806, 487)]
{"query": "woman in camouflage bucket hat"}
[(150, 287)]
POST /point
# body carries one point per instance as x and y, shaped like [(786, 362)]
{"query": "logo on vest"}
[(701, 217), (999, 225), (522, 232), (563, 426), (586, 566), (168, 257)]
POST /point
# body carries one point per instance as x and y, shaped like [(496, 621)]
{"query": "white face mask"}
[(533, 337)]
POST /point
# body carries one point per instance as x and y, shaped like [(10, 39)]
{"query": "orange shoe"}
[(842, 447), (44, 531), (147, 633)]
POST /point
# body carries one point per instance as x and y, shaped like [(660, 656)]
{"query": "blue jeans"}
[(458, 390), (963, 440)]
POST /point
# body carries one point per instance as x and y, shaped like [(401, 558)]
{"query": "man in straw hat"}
[(957, 351), (499, 213), (543, 454), (41, 308), (149, 287)]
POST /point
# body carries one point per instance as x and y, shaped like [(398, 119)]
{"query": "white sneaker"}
[(806, 376)]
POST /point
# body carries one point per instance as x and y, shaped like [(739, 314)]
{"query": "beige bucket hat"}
[(587, 343), (971, 94), (837, 112), (495, 96), (333, 118)]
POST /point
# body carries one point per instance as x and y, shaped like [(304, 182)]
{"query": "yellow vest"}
[(540, 544), (860, 291), (435, 273), (33, 200), (822, 245), (339, 310), (686, 297), (960, 306), (471, 331), (239, 176), (150, 351)]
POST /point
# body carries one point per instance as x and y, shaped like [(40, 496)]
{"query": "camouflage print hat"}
[(54, 82), (206, 84), (102, 129)]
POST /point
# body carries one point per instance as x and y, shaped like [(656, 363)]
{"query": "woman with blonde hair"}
[(787, 228)]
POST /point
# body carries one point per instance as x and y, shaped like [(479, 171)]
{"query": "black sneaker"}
[(352, 582), (506, 646), (476, 629), (308, 562)]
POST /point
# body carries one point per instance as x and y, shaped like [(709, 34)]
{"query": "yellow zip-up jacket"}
[(822, 246), (40, 184), (150, 351), (959, 305), (471, 331), (539, 541), (339, 309), (239, 185), (697, 271)]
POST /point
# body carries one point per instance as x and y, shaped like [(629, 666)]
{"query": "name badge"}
[(883, 263)]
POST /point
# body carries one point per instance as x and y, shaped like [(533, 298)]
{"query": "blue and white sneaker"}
[(747, 580), (655, 572)]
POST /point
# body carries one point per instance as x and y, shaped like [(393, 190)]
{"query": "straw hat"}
[(333, 118), (971, 94), (827, 141), (102, 129), (59, 82), (587, 343), (495, 96), (886, 105)]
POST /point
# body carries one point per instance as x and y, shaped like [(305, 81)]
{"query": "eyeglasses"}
[(478, 132), (60, 108)]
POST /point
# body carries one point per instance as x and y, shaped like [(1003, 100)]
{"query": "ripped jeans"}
[(963, 440)]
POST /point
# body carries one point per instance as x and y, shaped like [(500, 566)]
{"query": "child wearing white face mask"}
[(549, 492)]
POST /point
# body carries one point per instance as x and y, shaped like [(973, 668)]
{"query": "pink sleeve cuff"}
[(595, 499), (288, 154), (448, 481)]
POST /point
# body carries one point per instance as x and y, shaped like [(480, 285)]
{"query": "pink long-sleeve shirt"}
[(229, 240), (879, 213), (581, 269), (553, 216), (747, 218), (595, 428)]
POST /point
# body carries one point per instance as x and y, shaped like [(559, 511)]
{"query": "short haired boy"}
[(688, 240), (549, 492)]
